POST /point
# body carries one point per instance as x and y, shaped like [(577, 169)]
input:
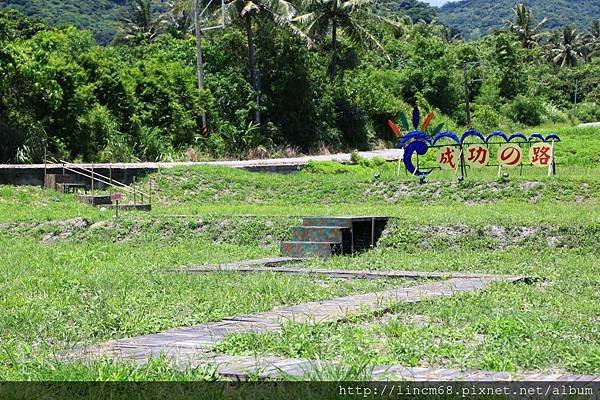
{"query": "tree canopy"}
[(62, 93)]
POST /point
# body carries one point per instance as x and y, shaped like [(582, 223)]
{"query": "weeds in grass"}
[(70, 273)]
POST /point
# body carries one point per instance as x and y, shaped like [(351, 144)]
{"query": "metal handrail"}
[(90, 176), (123, 185), (127, 188)]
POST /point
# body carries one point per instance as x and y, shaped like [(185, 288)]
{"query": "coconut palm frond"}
[(304, 19), (250, 8), (281, 8), (138, 24), (523, 26), (359, 34), (351, 5), (566, 48), (317, 27)]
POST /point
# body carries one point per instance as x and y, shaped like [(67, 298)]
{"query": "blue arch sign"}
[(472, 148)]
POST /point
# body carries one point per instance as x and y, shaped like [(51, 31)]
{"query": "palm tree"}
[(591, 46), (139, 24), (181, 18), (346, 15), (177, 20), (245, 11), (567, 49), (523, 26), (594, 37), (595, 31)]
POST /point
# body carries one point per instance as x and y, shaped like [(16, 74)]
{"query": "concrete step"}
[(94, 200), (303, 249), (340, 222), (131, 207), (320, 234)]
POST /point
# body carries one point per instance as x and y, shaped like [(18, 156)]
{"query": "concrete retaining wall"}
[(34, 175)]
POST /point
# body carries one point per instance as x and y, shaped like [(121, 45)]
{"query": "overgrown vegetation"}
[(74, 274), (87, 289), (139, 99)]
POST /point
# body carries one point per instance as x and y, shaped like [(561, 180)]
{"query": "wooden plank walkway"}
[(268, 367), (250, 267), (191, 347), (264, 262), (188, 343)]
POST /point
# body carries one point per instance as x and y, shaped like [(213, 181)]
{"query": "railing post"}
[(92, 179), (45, 169)]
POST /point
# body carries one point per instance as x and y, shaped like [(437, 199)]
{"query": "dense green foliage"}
[(99, 16), (472, 18), (415, 9), (476, 18), (61, 92)]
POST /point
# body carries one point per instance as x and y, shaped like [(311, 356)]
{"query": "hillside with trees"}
[(415, 9), (475, 18), (279, 79), (100, 16), (470, 18)]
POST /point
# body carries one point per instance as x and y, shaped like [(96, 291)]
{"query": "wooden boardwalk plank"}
[(250, 267), (192, 346), (202, 338), (268, 367)]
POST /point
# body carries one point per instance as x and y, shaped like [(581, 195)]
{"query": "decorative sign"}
[(510, 155), (540, 154), (477, 155), (448, 157), (474, 150), (116, 197)]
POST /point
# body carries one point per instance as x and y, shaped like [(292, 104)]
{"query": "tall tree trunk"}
[(252, 67), (334, 50), (199, 63)]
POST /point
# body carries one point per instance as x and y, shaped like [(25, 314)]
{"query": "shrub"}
[(328, 167), (554, 114), (588, 112), (485, 118), (117, 150), (525, 110), (97, 125)]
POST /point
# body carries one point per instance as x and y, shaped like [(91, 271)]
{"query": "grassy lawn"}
[(73, 274), (57, 295), (506, 327)]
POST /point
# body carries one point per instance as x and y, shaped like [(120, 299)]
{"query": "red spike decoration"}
[(394, 128), (427, 122)]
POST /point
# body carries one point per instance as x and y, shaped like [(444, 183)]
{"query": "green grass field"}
[(72, 274)]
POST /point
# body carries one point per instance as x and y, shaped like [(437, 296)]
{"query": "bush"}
[(375, 162), (525, 110), (588, 112), (328, 167), (486, 118), (554, 114), (97, 125), (117, 150)]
